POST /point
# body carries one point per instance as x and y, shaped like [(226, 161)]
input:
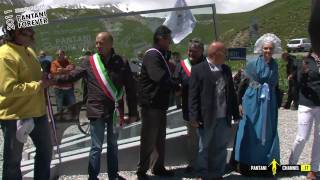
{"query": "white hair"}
[(268, 38)]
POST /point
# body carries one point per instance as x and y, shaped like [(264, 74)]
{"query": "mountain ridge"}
[(286, 18)]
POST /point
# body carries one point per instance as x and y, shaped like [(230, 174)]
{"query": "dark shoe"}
[(189, 169), (294, 108), (237, 168), (285, 107), (163, 172), (93, 178), (119, 178), (217, 178), (294, 104), (142, 176), (230, 167)]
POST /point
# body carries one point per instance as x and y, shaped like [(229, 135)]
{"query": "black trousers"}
[(153, 136), (12, 152), (292, 94)]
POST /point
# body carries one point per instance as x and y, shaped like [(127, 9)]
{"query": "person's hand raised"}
[(45, 81)]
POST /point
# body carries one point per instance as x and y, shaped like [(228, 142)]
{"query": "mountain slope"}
[(286, 18)]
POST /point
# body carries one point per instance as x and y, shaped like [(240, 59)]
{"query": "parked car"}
[(300, 44)]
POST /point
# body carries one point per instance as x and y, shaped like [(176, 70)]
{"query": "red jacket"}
[(55, 65)]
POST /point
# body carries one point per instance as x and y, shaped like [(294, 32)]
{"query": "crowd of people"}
[(209, 101)]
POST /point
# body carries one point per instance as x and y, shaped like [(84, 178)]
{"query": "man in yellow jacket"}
[(22, 97)]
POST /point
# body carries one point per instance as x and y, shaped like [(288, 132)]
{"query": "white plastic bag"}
[(24, 128)]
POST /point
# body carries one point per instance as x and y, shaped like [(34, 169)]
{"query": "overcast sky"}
[(222, 6)]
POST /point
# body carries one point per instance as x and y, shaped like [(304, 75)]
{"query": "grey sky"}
[(223, 6)]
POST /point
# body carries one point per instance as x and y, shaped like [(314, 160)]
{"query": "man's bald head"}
[(105, 35), (217, 52), (104, 43)]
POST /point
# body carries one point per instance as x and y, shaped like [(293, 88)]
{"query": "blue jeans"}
[(212, 153), (97, 128), (12, 152), (64, 97)]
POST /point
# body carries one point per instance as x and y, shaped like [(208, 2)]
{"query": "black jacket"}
[(98, 104), (183, 80), (155, 82), (201, 94), (309, 83)]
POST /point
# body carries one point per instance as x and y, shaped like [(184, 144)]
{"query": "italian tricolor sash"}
[(186, 65), (108, 87)]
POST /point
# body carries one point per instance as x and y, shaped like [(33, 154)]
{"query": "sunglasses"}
[(27, 32)]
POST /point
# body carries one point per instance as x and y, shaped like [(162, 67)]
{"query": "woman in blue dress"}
[(257, 141)]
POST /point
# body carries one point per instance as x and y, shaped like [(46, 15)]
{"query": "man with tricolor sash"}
[(108, 77), (182, 74)]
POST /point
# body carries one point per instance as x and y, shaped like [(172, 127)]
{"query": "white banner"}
[(181, 23)]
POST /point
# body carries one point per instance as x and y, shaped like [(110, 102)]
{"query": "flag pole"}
[(53, 123), (213, 6)]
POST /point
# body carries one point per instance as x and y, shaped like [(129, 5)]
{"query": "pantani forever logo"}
[(26, 17), (30, 19)]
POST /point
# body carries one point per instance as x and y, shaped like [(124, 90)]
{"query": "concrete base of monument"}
[(74, 159)]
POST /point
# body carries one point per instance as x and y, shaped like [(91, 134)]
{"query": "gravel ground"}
[(287, 131)]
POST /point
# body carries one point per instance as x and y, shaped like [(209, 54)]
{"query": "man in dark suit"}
[(212, 104), (155, 86)]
